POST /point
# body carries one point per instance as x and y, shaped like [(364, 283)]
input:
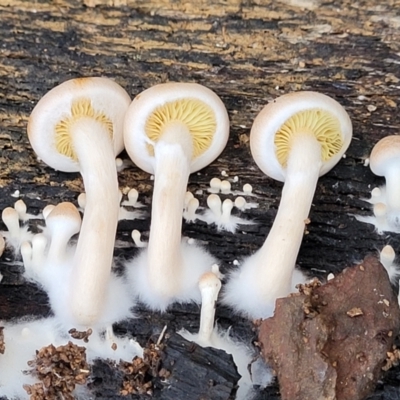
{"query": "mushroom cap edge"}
[(384, 151), (147, 101), (106, 96), (276, 113)]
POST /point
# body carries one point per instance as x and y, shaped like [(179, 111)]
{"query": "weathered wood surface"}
[(248, 52)]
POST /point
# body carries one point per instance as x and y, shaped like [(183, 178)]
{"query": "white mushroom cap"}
[(47, 210), (148, 101), (275, 114), (106, 96), (62, 223), (384, 153)]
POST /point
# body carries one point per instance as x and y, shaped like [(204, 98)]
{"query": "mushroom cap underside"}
[(195, 103), (385, 152), (95, 97), (273, 117)]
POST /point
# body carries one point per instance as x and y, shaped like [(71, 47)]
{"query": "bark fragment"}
[(331, 341)]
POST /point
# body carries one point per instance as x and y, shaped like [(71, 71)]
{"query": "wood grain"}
[(248, 52)]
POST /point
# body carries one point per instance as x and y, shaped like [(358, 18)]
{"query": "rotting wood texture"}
[(248, 52)]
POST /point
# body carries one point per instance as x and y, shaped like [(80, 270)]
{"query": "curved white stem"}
[(94, 251), (277, 257), (227, 207), (173, 153), (392, 177), (39, 243), (26, 253), (210, 286), (215, 205), (11, 221)]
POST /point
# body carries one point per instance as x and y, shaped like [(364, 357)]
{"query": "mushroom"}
[(209, 285), (172, 130), (16, 233), (252, 371), (385, 161), (77, 126), (295, 139), (63, 222), (387, 256), (219, 213)]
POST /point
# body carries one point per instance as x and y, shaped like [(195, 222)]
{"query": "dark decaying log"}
[(248, 52)]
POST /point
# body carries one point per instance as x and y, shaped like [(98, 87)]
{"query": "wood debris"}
[(140, 372), (317, 351), (82, 335), (59, 369)]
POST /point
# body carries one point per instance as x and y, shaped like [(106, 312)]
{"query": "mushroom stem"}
[(209, 286), (278, 254), (393, 189), (173, 153), (93, 257)]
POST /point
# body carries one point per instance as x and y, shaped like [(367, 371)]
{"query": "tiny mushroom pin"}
[(294, 139), (77, 126), (251, 370), (172, 130), (385, 161), (63, 222)]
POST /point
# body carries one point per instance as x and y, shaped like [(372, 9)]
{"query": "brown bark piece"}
[(331, 342)]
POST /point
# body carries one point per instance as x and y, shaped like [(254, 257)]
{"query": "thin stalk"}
[(173, 153), (277, 257), (94, 251)]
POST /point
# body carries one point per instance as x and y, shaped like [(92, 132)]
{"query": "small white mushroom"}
[(188, 196), (251, 372), (215, 205), (380, 212), (215, 185), (220, 214), (21, 209), (240, 203), (119, 163), (376, 193), (16, 233), (62, 223), (190, 210), (385, 161), (136, 237), (247, 188), (209, 285), (133, 196), (387, 256), (82, 201), (10, 219), (227, 207), (225, 187)]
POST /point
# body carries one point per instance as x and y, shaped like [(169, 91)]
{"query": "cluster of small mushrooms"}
[(170, 131)]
